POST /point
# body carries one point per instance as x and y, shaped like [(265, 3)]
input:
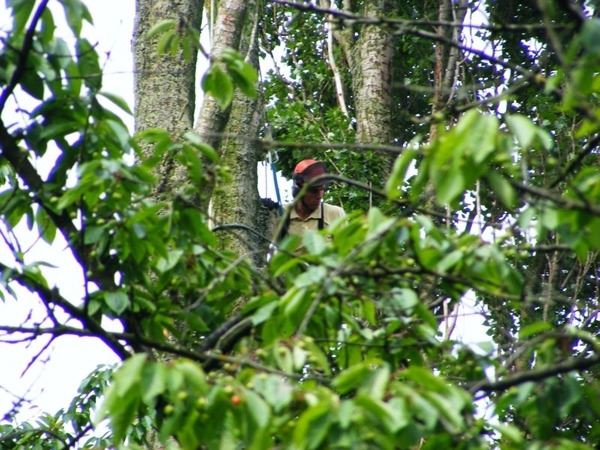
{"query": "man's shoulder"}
[(289, 210), (333, 211)]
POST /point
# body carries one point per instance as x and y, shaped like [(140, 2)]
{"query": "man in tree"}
[(308, 211)]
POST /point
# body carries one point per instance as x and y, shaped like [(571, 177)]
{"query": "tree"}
[(344, 345)]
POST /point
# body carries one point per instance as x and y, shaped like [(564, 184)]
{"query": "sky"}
[(51, 382)]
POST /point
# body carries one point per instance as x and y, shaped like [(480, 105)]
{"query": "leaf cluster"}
[(341, 345)]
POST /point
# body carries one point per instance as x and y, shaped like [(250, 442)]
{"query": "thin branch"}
[(575, 162), (23, 55), (78, 436), (347, 18), (267, 144), (566, 203), (575, 364), (52, 296), (570, 365), (37, 356)]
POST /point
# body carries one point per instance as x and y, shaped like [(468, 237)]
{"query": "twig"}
[(23, 55)]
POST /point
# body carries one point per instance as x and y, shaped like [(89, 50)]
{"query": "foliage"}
[(65, 428), (341, 346)]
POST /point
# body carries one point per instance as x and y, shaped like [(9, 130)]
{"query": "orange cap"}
[(303, 165), (309, 169)]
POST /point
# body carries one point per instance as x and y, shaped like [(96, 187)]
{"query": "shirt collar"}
[(316, 214)]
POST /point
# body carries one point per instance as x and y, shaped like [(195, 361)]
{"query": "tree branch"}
[(578, 363), (52, 296), (575, 364), (348, 18), (24, 53)]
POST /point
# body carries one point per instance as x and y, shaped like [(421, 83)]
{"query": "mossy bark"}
[(165, 85), (234, 134)]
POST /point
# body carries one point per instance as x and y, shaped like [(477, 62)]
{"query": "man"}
[(309, 212)]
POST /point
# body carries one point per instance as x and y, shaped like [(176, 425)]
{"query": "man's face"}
[(313, 197)]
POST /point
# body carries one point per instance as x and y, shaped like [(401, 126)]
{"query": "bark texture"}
[(165, 85), (226, 32), (369, 51), (238, 202), (371, 66), (233, 134), (447, 58), (166, 98)]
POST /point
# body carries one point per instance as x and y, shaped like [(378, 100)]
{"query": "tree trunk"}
[(447, 59), (370, 64), (165, 98), (165, 85), (226, 32), (238, 203), (370, 61)]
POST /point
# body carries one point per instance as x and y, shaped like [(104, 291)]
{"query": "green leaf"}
[(117, 301), (315, 242), (523, 128), (449, 261), (161, 27), (243, 74), (315, 275), (427, 379), (88, 64), (345, 413), (245, 79), (193, 374), (419, 407), (120, 102), (166, 41), (117, 132), (153, 381), (449, 184), (313, 426), (129, 374), (165, 264), (122, 416), (404, 299), (46, 226), (317, 356), (190, 159), (293, 300), (481, 137), (447, 410), (284, 359), (207, 150), (276, 391), (299, 357), (216, 83), (93, 234), (21, 12), (377, 382), (257, 408), (503, 189), (32, 84), (264, 313), (351, 378), (76, 12), (590, 36), (534, 328), (393, 185), (48, 27), (509, 432), (383, 414), (378, 223)]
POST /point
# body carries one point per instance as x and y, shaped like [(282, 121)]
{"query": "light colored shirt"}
[(311, 223)]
